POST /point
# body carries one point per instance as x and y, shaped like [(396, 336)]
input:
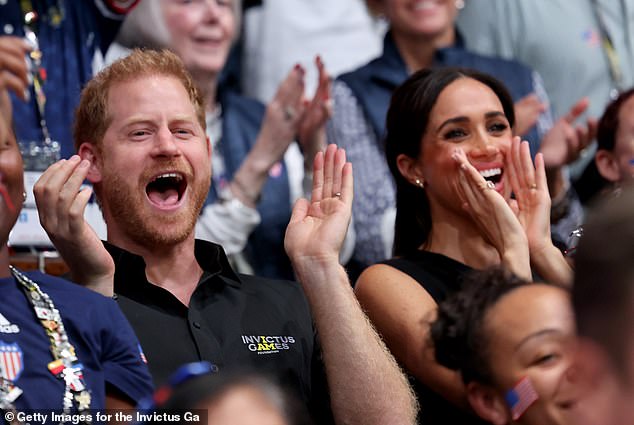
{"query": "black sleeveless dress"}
[(440, 276)]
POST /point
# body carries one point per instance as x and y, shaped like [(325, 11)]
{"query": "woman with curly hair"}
[(512, 343)]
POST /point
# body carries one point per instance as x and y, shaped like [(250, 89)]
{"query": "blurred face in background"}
[(201, 32), (618, 165), (430, 19), (11, 179), (243, 405)]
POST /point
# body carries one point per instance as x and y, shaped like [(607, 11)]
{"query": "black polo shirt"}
[(233, 321)]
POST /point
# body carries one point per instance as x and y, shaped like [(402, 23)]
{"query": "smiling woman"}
[(511, 341), (451, 151)]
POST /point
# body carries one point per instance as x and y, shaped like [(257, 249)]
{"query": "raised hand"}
[(564, 141), (532, 206), (283, 115), (61, 205), (532, 200), (318, 227), (494, 217), (312, 131), (527, 112), (13, 67)]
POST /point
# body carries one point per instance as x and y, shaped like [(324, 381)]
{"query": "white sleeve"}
[(227, 222)]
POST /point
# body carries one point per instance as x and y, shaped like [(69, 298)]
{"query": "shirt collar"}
[(130, 267)]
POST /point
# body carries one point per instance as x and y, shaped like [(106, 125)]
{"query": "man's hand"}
[(61, 205), (317, 228)]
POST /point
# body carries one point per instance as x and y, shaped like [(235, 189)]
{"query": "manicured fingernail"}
[(84, 164), (74, 158)]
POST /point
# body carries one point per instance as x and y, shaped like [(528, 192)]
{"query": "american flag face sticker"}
[(11, 361), (521, 397)]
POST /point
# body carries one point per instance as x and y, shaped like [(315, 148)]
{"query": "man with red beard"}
[(140, 135)]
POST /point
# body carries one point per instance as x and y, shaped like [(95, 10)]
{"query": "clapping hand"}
[(565, 141), (312, 132)]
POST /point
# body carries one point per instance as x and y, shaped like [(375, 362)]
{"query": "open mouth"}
[(493, 175), (166, 190), (568, 404)]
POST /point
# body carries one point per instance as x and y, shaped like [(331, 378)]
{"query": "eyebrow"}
[(540, 334), (147, 119), (462, 119)]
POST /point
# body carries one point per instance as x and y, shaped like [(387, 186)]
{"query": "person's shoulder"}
[(498, 63), (363, 72), (380, 272)]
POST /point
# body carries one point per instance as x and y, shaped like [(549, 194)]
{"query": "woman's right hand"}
[(495, 218)]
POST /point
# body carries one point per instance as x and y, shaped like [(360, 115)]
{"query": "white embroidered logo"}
[(7, 327)]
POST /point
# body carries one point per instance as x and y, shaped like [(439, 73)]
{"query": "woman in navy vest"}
[(421, 35)]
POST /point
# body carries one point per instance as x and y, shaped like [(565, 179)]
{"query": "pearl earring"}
[(459, 4), (420, 183)]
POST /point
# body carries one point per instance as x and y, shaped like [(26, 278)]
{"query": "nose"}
[(484, 146), (165, 144), (210, 9)]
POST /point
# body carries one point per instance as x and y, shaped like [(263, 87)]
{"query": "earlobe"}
[(607, 165), (487, 403), (89, 152), (408, 167)]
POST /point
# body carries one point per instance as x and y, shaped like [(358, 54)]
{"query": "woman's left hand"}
[(532, 206), (532, 200)]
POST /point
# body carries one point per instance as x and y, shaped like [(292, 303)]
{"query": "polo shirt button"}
[(196, 325), (8, 29)]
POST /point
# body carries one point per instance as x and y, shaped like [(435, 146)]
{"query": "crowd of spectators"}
[(269, 214)]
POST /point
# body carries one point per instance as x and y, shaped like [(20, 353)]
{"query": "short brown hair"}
[(91, 116)]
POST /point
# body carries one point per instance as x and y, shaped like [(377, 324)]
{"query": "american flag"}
[(521, 397), (11, 362)]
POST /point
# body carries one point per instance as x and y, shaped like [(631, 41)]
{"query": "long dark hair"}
[(407, 120)]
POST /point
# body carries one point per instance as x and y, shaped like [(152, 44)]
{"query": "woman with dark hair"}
[(422, 35), (614, 158), (450, 148), (511, 342)]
